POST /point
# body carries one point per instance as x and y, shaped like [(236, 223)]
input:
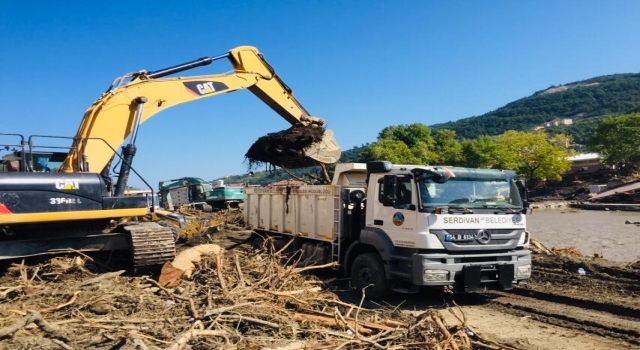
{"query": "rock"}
[(100, 307)]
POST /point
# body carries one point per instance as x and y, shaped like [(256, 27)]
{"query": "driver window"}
[(395, 191), (403, 193)]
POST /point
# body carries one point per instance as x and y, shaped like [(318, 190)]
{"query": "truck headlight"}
[(523, 271), (436, 275)]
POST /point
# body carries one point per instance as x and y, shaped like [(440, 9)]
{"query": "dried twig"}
[(168, 292), (62, 344), (220, 277), (224, 309), (313, 267), (184, 338), (249, 319), (193, 310), (138, 342), (240, 275), (34, 317), (105, 276), (56, 308), (8, 290), (329, 322)]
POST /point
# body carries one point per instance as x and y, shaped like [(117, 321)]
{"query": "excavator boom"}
[(117, 114)]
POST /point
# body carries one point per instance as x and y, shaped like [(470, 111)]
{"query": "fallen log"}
[(330, 322)]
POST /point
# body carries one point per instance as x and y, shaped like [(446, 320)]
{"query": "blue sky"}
[(360, 65)]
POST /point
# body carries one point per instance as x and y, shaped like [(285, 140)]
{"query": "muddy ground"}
[(79, 302)]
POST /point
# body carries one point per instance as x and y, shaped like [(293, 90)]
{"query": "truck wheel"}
[(368, 270)]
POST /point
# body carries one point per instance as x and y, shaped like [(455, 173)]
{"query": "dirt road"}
[(562, 309)]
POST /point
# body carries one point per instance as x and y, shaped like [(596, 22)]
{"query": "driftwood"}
[(35, 317), (232, 300)]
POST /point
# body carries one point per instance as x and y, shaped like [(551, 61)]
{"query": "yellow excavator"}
[(78, 207)]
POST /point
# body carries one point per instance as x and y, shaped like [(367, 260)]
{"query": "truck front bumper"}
[(472, 272)]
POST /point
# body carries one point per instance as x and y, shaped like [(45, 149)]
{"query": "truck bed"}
[(312, 211)]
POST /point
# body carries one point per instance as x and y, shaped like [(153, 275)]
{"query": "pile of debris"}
[(293, 141), (219, 299), (570, 252)]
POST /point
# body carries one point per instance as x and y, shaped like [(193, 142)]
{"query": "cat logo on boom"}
[(202, 88), (67, 184)]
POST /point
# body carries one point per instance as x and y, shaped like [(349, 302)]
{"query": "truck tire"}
[(368, 270)]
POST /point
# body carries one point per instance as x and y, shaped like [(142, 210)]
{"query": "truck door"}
[(395, 210)]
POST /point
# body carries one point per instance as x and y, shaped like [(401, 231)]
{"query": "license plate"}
[(459, 238)]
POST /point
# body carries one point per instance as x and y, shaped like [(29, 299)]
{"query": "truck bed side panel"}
[(304, 210)]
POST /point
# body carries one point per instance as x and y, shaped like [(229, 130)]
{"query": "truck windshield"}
[(470, 193)]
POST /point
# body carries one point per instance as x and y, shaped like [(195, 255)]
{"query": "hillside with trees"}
[(585, 102)]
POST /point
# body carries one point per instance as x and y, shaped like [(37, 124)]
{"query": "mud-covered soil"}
[(603, 301)]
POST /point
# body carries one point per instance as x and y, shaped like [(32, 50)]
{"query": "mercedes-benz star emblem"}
[(483, 237)]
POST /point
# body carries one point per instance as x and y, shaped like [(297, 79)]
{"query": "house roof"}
[(584, 156)]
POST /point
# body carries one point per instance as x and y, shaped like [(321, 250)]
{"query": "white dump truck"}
[(400, 227)]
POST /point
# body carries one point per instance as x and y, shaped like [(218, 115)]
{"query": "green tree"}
[(447, 149), (410, 134), (480, 152), (393, 151), (402, 144), (617, 139), (533, 154)]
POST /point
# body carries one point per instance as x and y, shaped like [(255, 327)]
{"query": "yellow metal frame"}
[(27, 218)]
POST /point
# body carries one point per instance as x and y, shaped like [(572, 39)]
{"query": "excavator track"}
[(152, 245)]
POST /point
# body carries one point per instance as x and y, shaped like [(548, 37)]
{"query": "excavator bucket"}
[(296, 147)]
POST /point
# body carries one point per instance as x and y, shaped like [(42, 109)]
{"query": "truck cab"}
[(446, 226)]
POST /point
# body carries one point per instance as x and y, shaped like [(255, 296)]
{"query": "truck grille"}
[(473, 239)]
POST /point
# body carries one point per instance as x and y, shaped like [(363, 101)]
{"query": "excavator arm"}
[(118, 113)]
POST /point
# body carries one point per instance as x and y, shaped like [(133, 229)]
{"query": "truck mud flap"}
[(505, 276), (473, 277)]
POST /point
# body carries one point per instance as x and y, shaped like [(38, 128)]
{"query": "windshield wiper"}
[(503, 210), (461, 210)]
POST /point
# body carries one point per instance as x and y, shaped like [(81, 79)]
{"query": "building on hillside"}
[(559, 121), (587, 165), (555, 122)]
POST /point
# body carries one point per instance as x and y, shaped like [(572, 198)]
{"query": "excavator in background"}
[(202, 195), (48, 209)]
